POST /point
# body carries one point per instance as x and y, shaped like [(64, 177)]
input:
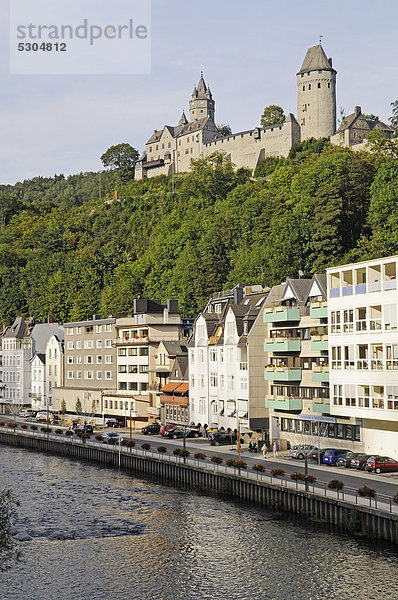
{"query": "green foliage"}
[(123, 158), (67, 253), (268, 166), (272, 115), (224, 130), (394, 117), (63, 406), (9, 549), (371, 117), (381, 145), (78, 407)]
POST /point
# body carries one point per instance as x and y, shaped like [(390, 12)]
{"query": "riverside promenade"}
[(374, 517)]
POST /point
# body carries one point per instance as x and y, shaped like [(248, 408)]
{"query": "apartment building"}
[(20, 343), (38, 385), (172, 366), (297, 367), (89, 366), (139, 374), (222, 394), (363, 349), (54, 365)]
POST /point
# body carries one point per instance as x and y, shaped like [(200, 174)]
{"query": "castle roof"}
[(183, 120), (316, 59), (180, 129), (350, 120)]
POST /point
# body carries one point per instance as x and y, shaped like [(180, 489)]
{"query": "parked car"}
[(42, 416), (27, 413), (113, 423), (317, 455), (164, 428), (218, 439), (178, 432), (381, 464), (151, 429), (360, 463), (83, 429), (301, 451), (110, 435), (331, 455), (345, 460)]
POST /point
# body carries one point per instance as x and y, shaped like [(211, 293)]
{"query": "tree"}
[(394, 118), (63, 406), (371, 117), (224, 130), (272, 115), (78, 407), (123, 158), (380, 144), (9, 549)]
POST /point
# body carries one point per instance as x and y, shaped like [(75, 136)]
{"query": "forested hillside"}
[(69, 248)]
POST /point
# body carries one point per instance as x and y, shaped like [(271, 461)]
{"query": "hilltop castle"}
[(171, 149)]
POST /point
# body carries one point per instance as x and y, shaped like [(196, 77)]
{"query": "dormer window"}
[(217, 308)]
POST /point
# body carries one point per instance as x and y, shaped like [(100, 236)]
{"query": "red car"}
[(165, 428), (381, 464)]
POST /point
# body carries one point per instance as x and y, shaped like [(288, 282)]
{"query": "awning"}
[(175, 400), (182, 388), (170, 387)]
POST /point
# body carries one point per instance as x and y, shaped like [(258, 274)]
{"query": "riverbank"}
[(376, 518)]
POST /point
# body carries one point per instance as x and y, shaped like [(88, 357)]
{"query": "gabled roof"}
[(41, 357), (350, 120), (319, 279), (180, 129), (301, 288), (316, 59), (175, 348), (17, 329)]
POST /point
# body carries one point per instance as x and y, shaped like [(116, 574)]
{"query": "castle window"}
[(169, 145), (157, 147), (328, 85), (309, 86), (191, 150), (302, 74), (162, 146), (319, 85), (319, 70), (303, 88), (179, 142), (188, 139), (150, 148)]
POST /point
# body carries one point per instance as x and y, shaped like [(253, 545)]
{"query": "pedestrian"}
[(275, 449), (264, 450)]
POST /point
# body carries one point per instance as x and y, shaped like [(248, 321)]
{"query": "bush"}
[(216, 460), (177, 451), (46, 429), (185, 453), (34, 427), (230, 462), (145, 446), (278, 472), (99, 438), (2, 423), (162, 449), (86, 436), (113, 441), (68, 432), (335, 484), (258, 467), (130, 443), (12, 424), (297, 476), (24, 426), (200, 455), (366, 492), (310, 478), (59, 431), (79, 434)]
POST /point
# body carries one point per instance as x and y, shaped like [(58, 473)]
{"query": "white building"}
[(54, 365), (38, 386), (363, 349), (218, 360)]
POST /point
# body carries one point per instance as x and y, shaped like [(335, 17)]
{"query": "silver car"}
[(301, 451)]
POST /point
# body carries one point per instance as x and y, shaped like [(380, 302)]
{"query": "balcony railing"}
[(275, 373), (283, 403), (243, 366), (276, 314)]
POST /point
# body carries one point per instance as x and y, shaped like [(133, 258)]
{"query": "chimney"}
[(330, 62), (172, 307), (238, 295), (358, 110)]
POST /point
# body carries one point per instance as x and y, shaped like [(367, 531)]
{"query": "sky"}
[(250, 52)]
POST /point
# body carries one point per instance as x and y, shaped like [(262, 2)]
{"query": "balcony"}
[(283, 403), (133, 341), (321, 407), (319, 342), (320, 374), (282, 344), (319, 310), (174, 400), (243, 366), (279, 314), (282, 374)]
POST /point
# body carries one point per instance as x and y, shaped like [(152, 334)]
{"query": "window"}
[(70, 346), (213, 379), (337, 395), (202, 406), (144, 387), (78, 374), (79, 345), (49, 353), (201, 381), (335, 321), (88, 344), (108, 359), (361, 319), (133, 351), (192, 355), (98, 328), (348, 321), (231, 382), (192, 380), (108, 343), (319, 85), (243, 383), (108, 327), (336, 357), (99, 374), (230, 355), (133, 368), (69, 331), (99, 360), (70, 375), (99, 343), (122, 352), (201, 356), (122, 369), (392, 357), (70, 360), (213, 355), (78, 330), (88, 374), (123, 385), (88, 360), (390, 317), (78, 360), (143, 351), (143, 369), (108, 375), (133, 386)]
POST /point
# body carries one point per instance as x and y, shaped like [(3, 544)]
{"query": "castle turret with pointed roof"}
[(316, 95), (202, 104)]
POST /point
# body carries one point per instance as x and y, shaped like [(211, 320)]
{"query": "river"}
[(93, 533)]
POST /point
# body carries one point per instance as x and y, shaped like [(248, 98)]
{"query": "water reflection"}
[(96, 533)]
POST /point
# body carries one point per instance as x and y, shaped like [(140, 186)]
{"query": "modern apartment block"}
[(89, 366), (140, 375), (223, 351), (363, 348), (172, 363), (297, 367)]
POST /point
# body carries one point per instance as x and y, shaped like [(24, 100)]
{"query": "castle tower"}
[(202, 104), (316, 95)]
